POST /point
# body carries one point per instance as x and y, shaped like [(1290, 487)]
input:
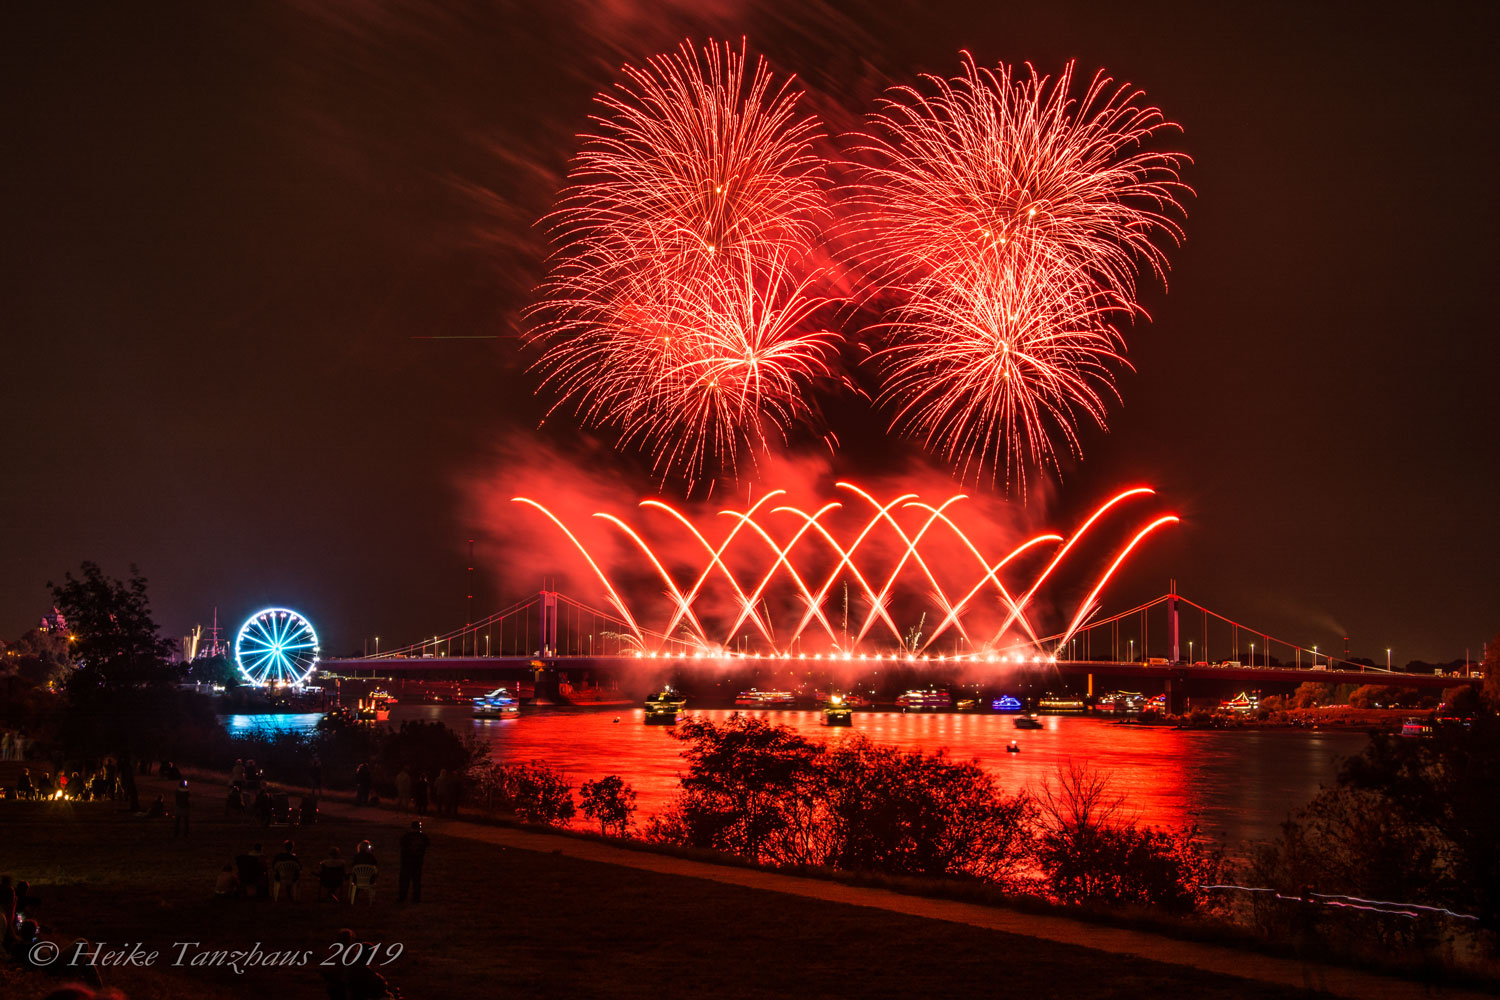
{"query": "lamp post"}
[(1315, 657), (377, 645), (1190, 652), (1252, 654), (1132, 650), (1387, 659)]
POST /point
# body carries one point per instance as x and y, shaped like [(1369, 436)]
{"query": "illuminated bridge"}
[(552, 632)]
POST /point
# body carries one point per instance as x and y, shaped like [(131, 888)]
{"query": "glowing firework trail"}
[(1011, 218), (608, 587), (682, 600), (1016, 612), (678, 309), (1117, 498), (715, 559), (1087, 607), (781, 560)]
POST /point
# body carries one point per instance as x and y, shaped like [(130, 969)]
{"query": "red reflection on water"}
[(1238, 785)]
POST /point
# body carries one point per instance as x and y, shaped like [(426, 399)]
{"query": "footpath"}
[(1335, 980)]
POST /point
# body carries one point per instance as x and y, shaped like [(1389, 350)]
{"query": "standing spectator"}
[(181, 806), (419, 793), (362, 785), (403, 790), (237, 772), (263, 806), (317, 775), (252, 872), (285, 872), (24, 788), (414, 844)]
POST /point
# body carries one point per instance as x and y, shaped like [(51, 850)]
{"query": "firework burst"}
[(677, 308), (1011, 219), (990, 368)]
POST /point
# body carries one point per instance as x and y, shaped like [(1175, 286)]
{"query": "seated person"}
[(332, 871), (251, 870), (227, 884), (308, 811), (281, 807), (285, 871), (158, 808)]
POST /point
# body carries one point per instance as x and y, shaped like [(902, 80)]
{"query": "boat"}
[(1242, 702), (1006, 703), (1122, 702), (932, 699), (1027, 722), (498, 704), (374, 707), (1060, 703), (755, 698), (1013, 748), (837, 712), (1417, 727), (663, 706)]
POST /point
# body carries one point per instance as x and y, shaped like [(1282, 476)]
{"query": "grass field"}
[(508, 923)]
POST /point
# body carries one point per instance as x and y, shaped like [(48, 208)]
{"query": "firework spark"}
[(1011, 219), (678, 313)]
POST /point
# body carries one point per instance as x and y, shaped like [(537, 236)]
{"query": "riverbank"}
[(549, 915), (522, 922)]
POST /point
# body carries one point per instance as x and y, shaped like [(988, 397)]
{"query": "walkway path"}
[(1228, 961)]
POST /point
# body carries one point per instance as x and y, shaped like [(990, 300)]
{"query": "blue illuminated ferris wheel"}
[(276, 647)]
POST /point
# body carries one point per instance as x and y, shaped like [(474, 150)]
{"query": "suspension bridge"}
[(1170, 641)]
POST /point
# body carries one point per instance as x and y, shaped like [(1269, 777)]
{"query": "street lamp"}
[(1315, 657), (1387, 659), (377, 645), (1190, 651), (1132, 650), (1252, 654)]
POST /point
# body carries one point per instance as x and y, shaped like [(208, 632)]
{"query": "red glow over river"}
[(1236, 784)]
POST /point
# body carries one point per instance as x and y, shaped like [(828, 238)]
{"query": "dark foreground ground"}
[(508, 923)]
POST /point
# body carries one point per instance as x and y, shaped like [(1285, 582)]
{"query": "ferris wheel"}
[(276, 646)]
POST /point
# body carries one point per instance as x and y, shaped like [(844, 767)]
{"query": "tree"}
[(610, 802), (219, 670), (118, 646)]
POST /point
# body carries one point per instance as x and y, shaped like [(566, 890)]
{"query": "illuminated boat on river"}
[(837, 712), (1006, 703), (755, 698), (663, 706), (1060, 703), (930, 700), (374, 707), (498, 704), (1027, 722)]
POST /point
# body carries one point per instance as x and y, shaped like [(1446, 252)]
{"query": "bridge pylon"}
[(1174, 650), (548, 632)]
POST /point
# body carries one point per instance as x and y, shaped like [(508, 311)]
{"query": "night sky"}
[(227, 227)]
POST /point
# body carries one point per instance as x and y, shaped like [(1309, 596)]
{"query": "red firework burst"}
[(675, 308), (988, 367), (1011, 219)]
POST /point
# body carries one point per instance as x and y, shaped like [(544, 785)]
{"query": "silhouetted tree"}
[(117, 646)]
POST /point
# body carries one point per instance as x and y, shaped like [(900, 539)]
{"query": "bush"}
[(765, 793), (533, 792), (1089, 852), (914, 814), (610, 802)]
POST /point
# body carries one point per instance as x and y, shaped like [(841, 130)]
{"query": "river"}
[(1237, 785)]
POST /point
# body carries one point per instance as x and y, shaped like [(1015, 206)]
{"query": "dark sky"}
[(226, 224)]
